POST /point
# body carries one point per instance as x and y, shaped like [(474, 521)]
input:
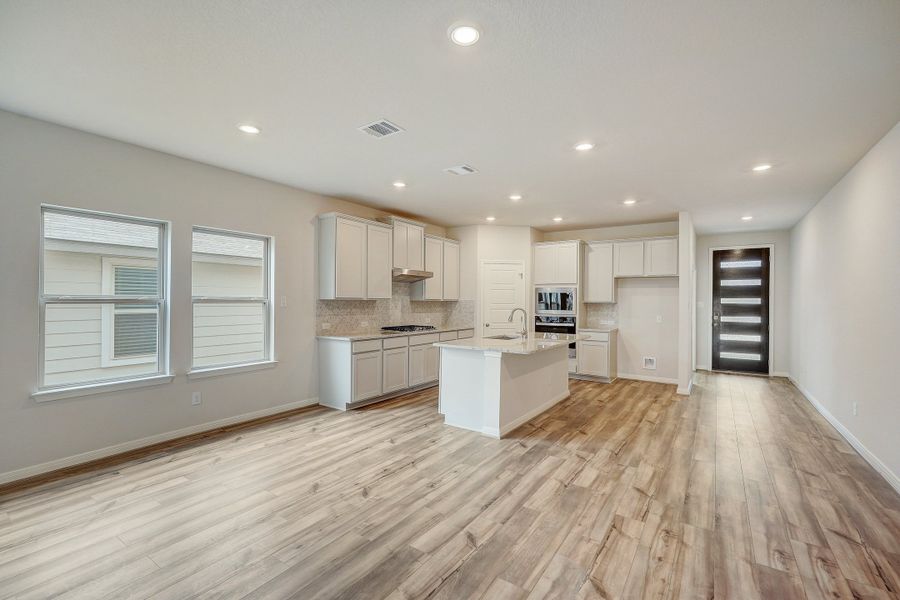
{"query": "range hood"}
[(409, 275)]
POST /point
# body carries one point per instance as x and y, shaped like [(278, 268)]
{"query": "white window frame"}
[(108, 315), (163, 372), (268, 358)]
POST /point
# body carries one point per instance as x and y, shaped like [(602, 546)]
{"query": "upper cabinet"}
[(442, 259), (556, 263), (354, 258), (409, 244), (599, 282), (646, 258)]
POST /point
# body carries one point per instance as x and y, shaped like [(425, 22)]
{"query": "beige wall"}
[(617, 232), (779, 294), (845, 317), (45, 163)]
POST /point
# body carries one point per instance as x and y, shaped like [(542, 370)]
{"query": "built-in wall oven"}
[(559, 302), (558, 324)]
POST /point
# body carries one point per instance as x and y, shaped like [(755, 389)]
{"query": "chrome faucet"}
[(524, 332)]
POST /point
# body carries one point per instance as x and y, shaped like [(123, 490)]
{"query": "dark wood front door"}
[(740, 325)]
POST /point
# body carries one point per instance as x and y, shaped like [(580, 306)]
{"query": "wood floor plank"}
[(626, 490)]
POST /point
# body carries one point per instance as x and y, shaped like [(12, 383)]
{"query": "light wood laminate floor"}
[(623, 491)]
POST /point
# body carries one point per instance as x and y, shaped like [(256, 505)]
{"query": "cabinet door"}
[(661, 257), (366, 375), (350, 259), (593, 358), (432, 363), (417, 365), (395, 370), (545, 264), (451, 271), (401, 245), (378, 261), (434, 262), (628, 259), (599, 285), (567, 263), (415, 247)]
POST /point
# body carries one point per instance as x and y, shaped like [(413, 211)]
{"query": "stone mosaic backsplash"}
[(360, 315), (597, 315)]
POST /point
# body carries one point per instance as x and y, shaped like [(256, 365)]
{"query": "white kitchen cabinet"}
[(599, 282), (451, 270), (354, 258), (656, 257), (378, 261), (596, 355), (395, 369), (556, 263), (366, 372), (628, 259), (442, 259), (661, 257), (409, 244), (423, 364)]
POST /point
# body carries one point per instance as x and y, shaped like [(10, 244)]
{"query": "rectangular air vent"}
[(650, 362), (382, 128), (461, 170)]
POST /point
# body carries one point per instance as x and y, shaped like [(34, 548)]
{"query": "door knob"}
[(487, 324)]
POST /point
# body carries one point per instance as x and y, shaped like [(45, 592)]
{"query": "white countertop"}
[(601, 329), (536, 342), (377, 334)]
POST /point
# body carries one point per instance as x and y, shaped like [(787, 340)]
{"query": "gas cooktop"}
[(404, 328)]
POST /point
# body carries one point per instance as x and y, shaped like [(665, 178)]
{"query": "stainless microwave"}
[(555, 301)]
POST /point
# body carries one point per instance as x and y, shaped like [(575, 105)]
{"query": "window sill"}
[(229, 369), (99, 388)]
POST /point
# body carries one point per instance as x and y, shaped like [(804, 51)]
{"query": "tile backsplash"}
[(360, 315), (596, 315)]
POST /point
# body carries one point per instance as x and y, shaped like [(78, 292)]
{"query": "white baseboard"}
[(62, 463), (780, 374), (686, 390), (649, 378), (702, 368), (870, 458)]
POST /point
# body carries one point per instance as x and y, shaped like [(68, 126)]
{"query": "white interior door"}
[(502, 289)]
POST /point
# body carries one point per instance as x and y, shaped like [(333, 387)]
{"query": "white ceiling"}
[(681, 98)]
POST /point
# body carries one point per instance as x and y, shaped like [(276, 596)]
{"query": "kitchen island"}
[(493, 385)]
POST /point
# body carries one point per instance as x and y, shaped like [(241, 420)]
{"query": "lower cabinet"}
[(597, 355), (423, 364), (367, 375), (395, 370)]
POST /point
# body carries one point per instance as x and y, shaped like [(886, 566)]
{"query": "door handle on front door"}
[(487, 324), (715, 320)]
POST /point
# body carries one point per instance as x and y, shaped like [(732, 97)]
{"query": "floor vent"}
[(650, 362), (382, 128), (461, 170)]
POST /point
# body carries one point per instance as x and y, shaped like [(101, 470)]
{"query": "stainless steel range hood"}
[(410, 275)]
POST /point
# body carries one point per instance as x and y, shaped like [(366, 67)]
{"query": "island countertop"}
[(377, 334), (536, 342)]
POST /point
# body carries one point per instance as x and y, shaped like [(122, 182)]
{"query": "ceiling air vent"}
[(382, 128), (461, 170)]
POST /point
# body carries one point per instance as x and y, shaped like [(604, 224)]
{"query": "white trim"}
[(891, 477), (650, 378), (771, 248), (84, 457), (230, 369), (91, 389), (686, 391)]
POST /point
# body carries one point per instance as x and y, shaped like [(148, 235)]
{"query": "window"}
[(103, 298), (231, 285)]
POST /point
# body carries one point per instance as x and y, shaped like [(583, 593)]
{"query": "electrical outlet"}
[(659, 318), (326, 326), (284, 302), (196, 399), (855, 409)]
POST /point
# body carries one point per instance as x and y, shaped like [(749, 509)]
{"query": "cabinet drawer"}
[(397, 342), (366, 346), (419, 340), (449, 336), (595, 336), (466, 334)]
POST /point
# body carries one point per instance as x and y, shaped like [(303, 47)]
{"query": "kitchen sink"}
[(504, 337)]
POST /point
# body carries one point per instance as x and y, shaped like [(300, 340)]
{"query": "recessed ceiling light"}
[(584, 146), (399, 184), (464, 35), (515, 197), (629, 201), (747, 218), (247, 128), (490, 218), (557, 219), (760, 168)]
